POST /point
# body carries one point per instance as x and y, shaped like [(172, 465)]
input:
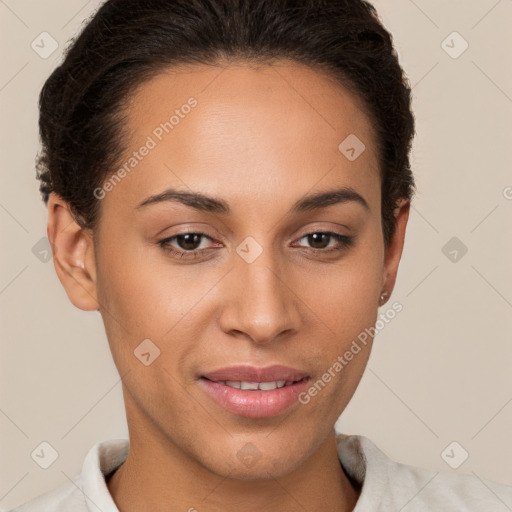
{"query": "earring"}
[(383, 297)]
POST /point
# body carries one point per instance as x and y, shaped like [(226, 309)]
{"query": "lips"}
[(255, 392), (253, 374)]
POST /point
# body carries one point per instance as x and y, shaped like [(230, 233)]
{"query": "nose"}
[(258, 302)]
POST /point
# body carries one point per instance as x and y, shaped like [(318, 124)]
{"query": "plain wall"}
[(439, 372)]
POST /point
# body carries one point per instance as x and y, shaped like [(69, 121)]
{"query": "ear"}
[(73, 254), (394, 250)]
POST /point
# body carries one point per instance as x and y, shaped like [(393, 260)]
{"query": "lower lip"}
[(254, 403)]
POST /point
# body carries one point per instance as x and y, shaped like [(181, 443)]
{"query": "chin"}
[(254, 457)]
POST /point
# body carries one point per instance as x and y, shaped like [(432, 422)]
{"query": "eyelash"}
[(344, 240)]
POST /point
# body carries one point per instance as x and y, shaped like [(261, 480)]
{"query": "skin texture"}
[(260, 138)]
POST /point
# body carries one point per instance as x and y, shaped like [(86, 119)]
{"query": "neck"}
[(149, 480)]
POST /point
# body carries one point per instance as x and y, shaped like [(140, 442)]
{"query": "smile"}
[(255, 392), (263, 386)]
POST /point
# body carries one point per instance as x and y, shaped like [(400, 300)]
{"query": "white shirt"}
[(388, 486)]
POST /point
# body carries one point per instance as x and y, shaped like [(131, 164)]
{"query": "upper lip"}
[(247, 373)]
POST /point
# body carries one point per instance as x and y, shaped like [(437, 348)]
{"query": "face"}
[(265, 269)]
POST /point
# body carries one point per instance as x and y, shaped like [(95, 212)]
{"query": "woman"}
[(228, 183)]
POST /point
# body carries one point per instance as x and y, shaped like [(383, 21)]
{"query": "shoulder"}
[(391, 485), (64, 498), (88, 489)]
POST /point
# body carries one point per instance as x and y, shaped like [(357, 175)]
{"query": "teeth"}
[(249, 385), (267, 386), (263, 386)]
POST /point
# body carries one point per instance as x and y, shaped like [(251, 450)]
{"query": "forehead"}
[(259, 97), (280, 126)]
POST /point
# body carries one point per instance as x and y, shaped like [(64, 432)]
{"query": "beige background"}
[(440, 371)]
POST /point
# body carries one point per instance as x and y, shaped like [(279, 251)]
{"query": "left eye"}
[(318, 239)]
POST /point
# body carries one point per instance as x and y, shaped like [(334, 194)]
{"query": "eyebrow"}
[(206, 203)]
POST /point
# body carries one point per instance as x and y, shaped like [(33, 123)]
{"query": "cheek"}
[(344, 299), (345, 294), (145, 294), (347, 306), (127, 286)]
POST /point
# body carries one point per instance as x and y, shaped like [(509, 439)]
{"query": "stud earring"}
[(383, 297)]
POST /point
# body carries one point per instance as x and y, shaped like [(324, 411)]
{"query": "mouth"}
[(254, 386), (255, 392)]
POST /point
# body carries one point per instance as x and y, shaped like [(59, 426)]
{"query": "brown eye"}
[(320, 241), (185, 245), (189, 241)]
